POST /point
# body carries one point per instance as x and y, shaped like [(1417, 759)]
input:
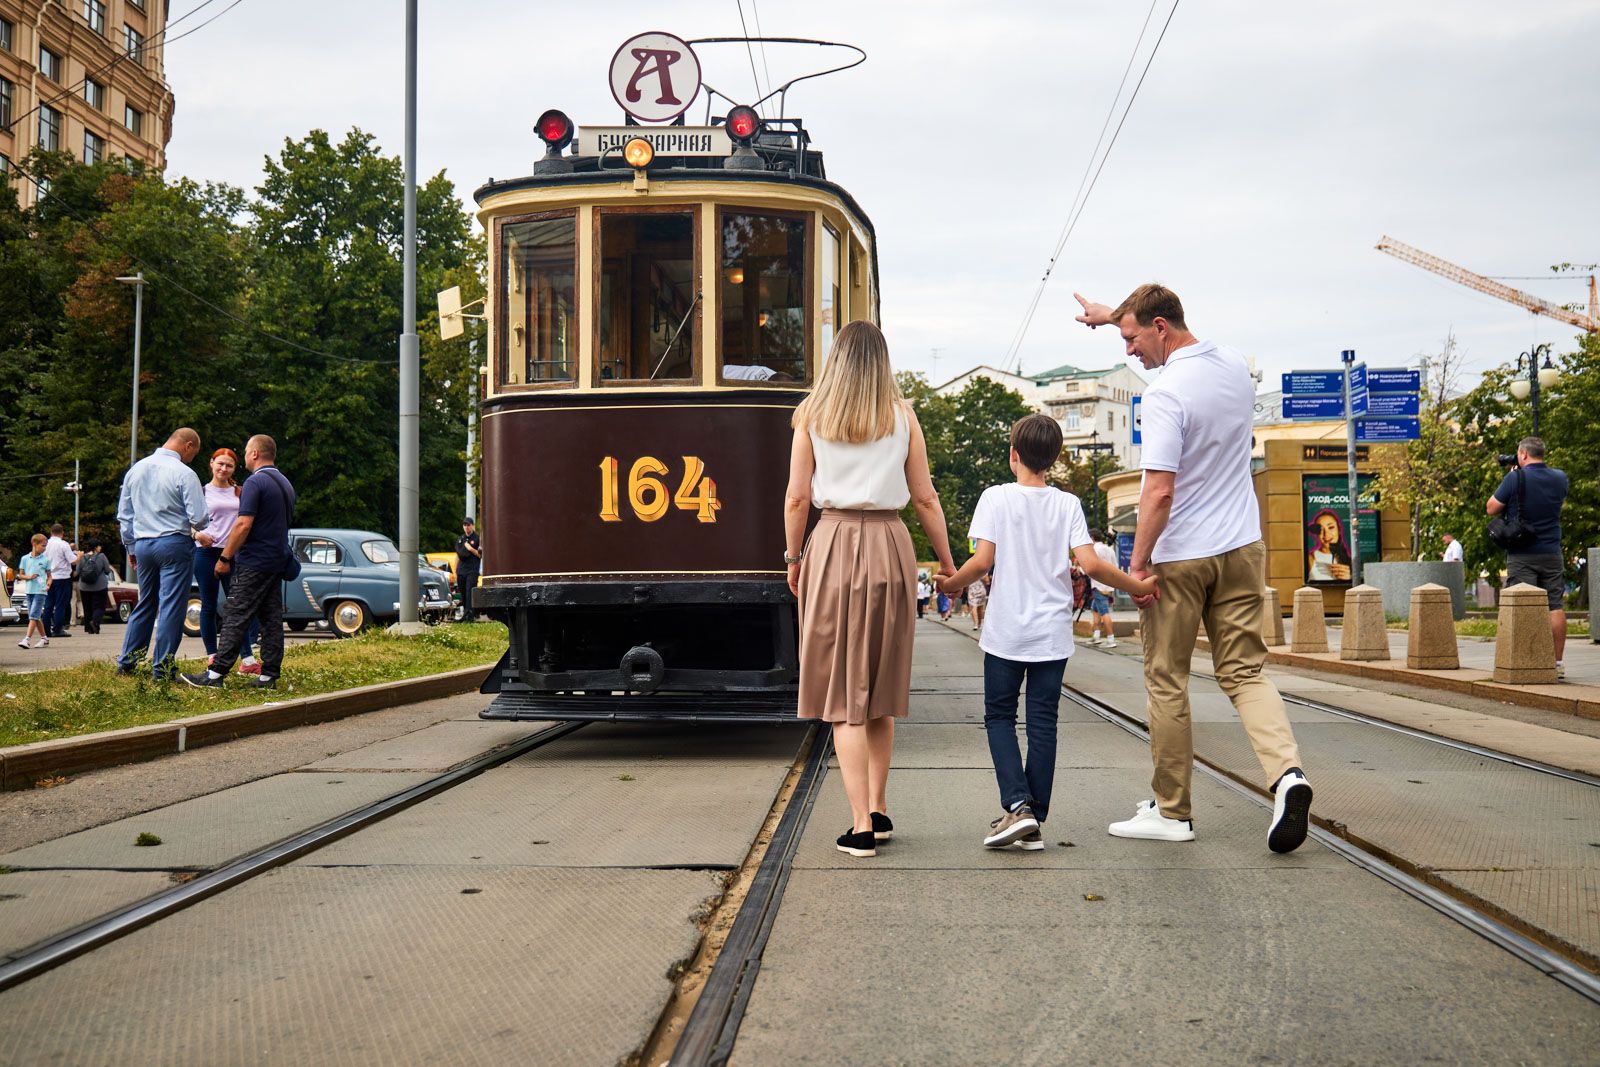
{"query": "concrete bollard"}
[(1524, 650), (1310, 624), (1431, 642), (1272, 618), (1364, 636)]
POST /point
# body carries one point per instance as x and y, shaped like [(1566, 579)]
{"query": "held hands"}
[(1093, 314), (1147, 594), (945, 582), (203, 539)]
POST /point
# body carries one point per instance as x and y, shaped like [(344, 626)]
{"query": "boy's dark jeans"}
[(1002, 683)]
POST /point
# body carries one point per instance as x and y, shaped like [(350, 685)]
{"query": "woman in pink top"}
[(222, 500)]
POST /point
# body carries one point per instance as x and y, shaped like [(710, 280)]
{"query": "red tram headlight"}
[(743, 124), (554, 129)]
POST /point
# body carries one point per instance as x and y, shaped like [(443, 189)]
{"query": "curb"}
[(1461, 680), (23, 765)]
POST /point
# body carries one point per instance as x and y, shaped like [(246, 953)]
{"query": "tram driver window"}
[(538, 294), (648, 296), (763, 288)]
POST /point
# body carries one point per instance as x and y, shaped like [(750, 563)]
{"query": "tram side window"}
[(831, 304), (763, 285), (538, 292), (648, 296)]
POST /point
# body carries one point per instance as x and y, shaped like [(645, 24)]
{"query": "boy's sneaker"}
[(861, 845), (1291, 811), (1010, 827), (250, 668), (1032, 841), (24, 643), (258, 682), (882, 827), (1148, 824), (201, 680), (42, 642), (1110, 642)]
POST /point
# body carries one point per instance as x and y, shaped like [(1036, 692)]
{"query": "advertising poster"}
[(1326, 513)]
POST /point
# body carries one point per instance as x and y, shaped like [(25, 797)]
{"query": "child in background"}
[(33, 576), (1029, 533)]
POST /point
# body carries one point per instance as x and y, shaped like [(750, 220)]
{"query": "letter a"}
[(657, 61)]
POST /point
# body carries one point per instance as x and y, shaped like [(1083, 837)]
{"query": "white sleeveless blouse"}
[(870, 476)]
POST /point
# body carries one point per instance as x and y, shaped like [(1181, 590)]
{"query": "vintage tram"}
[(653, 321)]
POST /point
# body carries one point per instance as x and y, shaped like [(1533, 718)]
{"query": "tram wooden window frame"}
[(502, 339), (809, 296), (597, 262)]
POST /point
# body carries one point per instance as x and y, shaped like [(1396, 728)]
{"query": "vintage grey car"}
[(349, 580)]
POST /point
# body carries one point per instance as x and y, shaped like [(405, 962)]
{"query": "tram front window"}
[(763, 287), (538, 293), (648, 296)]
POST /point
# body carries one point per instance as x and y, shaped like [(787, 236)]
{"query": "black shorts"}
[(1547, 572)]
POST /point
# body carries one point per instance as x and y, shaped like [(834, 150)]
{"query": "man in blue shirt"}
[(158, 512), (256, 552), (1540, 563)]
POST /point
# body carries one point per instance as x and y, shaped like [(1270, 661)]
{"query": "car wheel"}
[(191, 617), (296, 625), (348, 618), (124, 610)]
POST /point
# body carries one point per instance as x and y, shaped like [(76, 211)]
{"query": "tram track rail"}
[(1505, 931), (97, 933)]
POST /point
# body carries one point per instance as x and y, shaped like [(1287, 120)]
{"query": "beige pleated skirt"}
[(858, 610)]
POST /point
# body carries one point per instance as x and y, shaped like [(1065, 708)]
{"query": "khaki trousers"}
[(1225, 592)]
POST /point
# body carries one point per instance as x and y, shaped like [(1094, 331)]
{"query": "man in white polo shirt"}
[(1199, 533)]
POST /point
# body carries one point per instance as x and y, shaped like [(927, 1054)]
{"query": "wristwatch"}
[(225, 559), (792, 560)]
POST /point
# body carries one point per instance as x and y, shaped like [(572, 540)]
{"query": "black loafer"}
[(882, 828), (861, 845)]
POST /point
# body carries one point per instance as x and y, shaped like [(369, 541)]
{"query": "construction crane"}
[(1589, 323)]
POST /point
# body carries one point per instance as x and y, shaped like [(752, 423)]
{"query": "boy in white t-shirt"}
[(1029, 533)]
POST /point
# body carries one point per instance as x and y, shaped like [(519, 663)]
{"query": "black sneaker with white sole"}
[(1291, 811), (862, 845), (202, 680), (882, 828)]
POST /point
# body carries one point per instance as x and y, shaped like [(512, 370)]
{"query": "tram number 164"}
[(647, 493)]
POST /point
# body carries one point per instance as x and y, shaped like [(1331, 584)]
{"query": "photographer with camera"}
[(1530, 496)]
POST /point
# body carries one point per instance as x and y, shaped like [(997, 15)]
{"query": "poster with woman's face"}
[(1327, 550), (1326, 526)]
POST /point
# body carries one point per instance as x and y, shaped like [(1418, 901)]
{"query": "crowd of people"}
[(858, 455)]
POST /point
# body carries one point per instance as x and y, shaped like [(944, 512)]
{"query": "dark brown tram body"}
[(650, 335)]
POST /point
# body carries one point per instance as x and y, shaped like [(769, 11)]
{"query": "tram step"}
[(651, 707)]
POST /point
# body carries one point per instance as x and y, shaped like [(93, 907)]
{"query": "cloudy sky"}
[(1268, 150)]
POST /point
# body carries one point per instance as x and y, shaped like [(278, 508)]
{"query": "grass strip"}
[(1576, 627), (90, 697)]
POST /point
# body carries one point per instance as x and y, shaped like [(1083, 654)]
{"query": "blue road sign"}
[(1358, 378), (1394, 380), (1138, 419), (1390, 405), (1359, 399), (1376, 430), (1314, 382), (1313, 407)]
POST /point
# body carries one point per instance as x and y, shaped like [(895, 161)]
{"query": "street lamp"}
[(137, 281), (1094, 448), (1538, 378)]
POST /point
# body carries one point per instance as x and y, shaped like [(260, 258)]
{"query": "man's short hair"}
[(187, 436), (1147, 303), (265, 446), (1037, 439), (58, 529), (1533, 446)]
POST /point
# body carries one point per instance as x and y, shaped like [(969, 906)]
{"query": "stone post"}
[(1364, 636), (1431, 641), (1272, 617), (1310, 626), (1524, 650)]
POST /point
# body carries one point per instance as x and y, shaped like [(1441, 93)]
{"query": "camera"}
[(1506, 461)]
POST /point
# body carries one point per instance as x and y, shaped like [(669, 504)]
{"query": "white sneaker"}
[(23, 643), (1291, 812), (41, 643), (1149, 824), (1095, 638), (1109, 643), (1561, 671)]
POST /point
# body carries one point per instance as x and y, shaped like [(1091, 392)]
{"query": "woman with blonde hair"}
[(859, 455)]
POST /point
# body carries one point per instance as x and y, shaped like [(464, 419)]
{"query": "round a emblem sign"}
[(655, 76)]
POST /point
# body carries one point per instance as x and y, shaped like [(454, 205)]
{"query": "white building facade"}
[(1094, 407)]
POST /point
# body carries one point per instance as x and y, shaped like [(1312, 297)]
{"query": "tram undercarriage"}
[(689, 651)]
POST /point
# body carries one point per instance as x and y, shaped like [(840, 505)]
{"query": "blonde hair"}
[(856, 396)]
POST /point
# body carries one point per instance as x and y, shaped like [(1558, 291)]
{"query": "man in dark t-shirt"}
[(469, 563), (1544, 490), (256, 554)]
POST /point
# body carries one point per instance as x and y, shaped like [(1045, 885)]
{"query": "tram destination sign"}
[(666, 140)]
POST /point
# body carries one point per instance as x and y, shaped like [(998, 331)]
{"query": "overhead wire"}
[(1072, 221), (755, 10), (748, 50)]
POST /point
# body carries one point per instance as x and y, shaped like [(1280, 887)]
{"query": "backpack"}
[(1080, 589)]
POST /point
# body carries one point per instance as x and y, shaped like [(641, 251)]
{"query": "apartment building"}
[(1094, 407), (85, 77)]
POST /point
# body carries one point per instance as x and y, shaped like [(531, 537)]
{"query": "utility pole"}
[(410, 372), (472, 425), (137, 281), (76, 489)]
